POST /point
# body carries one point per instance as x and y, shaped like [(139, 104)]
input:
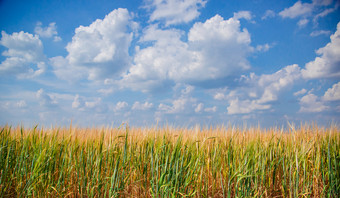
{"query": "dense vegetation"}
[(170, 162)]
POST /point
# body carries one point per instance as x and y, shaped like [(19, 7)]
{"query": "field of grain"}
[(170, 162)]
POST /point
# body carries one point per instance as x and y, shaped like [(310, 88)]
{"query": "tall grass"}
[(170, 162)]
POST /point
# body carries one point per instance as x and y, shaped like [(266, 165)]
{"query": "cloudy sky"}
[(182, 62)]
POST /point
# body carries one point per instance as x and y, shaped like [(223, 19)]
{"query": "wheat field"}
[(167, 161)]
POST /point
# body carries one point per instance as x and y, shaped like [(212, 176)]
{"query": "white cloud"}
[(142, 106), (268, 14), (301, 92), (245, 106), (333, 94), (211, 109), (274, 83), (155, 66), (326, 11), (164, 107), (296, 10), (106, 91), (222, 47), (199, 107), (216, 49), (179, 105), (317, 8), (312, 103), (25, 57), (121, 105), (188, 89), (303, 22), (45, 99), (57, 39), (21, 104), (184, 104), (322, 2), (11, 105), (78, 102), (175, 11), (264, 47), (227, 94), (94, 105), (328, 64), (220, 96), (261, 90), (320, 32), (97, 103), (23, 45), (47, 32), (63, 70), (99, 50), (242, 15), (40, 69)]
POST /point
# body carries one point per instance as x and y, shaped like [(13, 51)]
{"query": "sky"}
[(177, 62)]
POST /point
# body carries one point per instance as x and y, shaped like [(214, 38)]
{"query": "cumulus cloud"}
[(333, 94), (142, 106), (78, 102), (45, 99), (182, 104), (327, 65), (312, 103), (237, 106), (94, 105), (25, 57), (40, 69), (63, 70), (99, 50), (47, 32), (222, 47), (220, 96), (274, 83), (216, 49), (121, 105), (22, 45), (261, 90), (179, 105), (156, 66), (175, 11)]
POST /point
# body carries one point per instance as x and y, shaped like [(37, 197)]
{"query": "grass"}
[(170, 162)]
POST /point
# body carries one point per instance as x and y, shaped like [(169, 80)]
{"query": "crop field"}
[(167, 161)]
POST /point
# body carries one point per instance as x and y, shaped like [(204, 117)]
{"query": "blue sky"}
[(181, 62)]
